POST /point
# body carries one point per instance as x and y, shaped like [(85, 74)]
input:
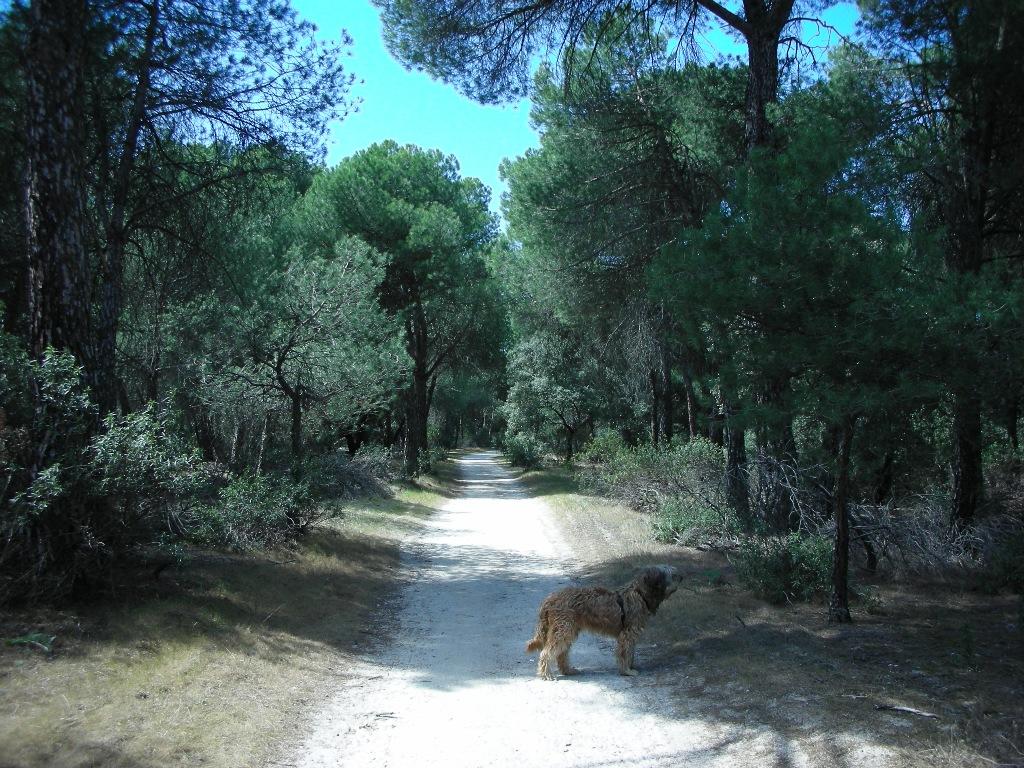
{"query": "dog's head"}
[(657, 582)]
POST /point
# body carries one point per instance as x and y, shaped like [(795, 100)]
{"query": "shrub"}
[(785, 569), (253, 512), (523, 450), (337, 476), (684, 520), (605, 446), (141, 462), (76, 496), (680, 486)]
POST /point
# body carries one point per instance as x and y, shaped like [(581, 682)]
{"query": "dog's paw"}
[(571, 671), (629, 672)]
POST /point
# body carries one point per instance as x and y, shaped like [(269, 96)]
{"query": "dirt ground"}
[(394, 637), (726, 680), (724, 656)]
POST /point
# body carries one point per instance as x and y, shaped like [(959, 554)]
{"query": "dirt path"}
[(455, 688)]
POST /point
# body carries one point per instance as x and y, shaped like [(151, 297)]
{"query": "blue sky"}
[(412, 108)]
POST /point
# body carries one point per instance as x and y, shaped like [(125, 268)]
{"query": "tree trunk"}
[(417, 404), (416, 422), (967, 466), (296, 430), (777, 445), (691, 404), (1012, 415), (839, 601), (667, 396), (263, 443), (568, 446), (736, 489), (54, 204), (236, 443), (111, 293), (655, 410), (762, 32)]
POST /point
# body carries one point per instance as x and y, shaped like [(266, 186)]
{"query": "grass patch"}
[(213, 663)]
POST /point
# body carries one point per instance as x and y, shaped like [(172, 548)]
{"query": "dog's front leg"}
[(625, 653)]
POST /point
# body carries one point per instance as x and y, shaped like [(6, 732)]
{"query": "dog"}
[(621, 614)]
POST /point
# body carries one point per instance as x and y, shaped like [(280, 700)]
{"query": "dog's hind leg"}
[(563, 664), (556, 646), (625, 652)]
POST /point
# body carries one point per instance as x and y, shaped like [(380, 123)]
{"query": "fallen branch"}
[(908, 710)]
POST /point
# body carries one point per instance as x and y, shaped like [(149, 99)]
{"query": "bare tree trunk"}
[(55, 209), (655, 411), (667, 395), (263, 444), (416, 422), (736, 490), (839, 601), (763, 76), (111, 293), (967, 465), (296, 430), (417, 404), (691, 404), (777, 445)]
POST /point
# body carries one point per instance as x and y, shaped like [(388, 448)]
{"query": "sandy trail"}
[(455, 688)]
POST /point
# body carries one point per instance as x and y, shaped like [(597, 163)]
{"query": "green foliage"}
[(77, 497), (605, 445), (139, 459), (523, 450), (781, 570), (555, 388), (644, 474), (253, 512), (686, 520)]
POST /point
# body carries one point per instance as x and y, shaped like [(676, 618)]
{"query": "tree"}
[(486, 47), (150, 75), (316, 337), (964, 125), (630, 153), (432, 227), (800, 276), (555, 387)]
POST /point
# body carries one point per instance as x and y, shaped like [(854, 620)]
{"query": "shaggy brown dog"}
[(621, 614)]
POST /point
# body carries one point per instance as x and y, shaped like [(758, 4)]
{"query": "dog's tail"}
[(538, 637)]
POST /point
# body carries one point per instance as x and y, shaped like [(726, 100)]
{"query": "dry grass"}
[(728, 657), (215, 663)]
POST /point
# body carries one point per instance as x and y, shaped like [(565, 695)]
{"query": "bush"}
[(644, 476), (684, 520), (337, 476), (141, 462), (523, 450), (605, 446), (253, 512), (785, 569), (76, 496)]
